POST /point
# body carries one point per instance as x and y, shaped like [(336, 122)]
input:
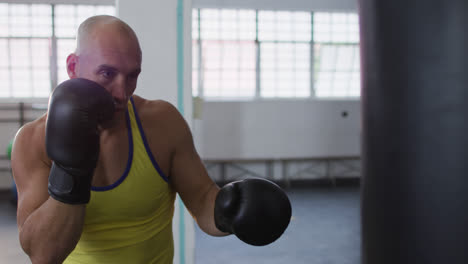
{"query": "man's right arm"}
[(48, 229)]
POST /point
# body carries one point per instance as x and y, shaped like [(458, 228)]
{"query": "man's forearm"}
[(206, 220), (52, 231)]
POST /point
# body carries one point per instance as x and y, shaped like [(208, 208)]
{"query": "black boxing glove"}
[(257, 211), (76, 108)]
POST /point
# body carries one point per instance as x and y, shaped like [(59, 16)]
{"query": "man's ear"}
[(72, 62)]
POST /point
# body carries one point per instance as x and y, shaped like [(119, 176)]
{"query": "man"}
[(97, 175)]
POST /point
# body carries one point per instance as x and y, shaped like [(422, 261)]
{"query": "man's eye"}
[(107, 74)]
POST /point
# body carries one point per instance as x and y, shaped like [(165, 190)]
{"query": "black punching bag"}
[(415, 131)]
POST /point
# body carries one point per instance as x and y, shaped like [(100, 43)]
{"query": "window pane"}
[(228, 52), (21, 82), (30, 67), (355, 84), (211, 55), (4, 69), (336, 55), (64, 48), (65, 21), (195, 68), (41, 20), (195, 24), (229, 83), (83, 12), (25, 46), (20, 53), (229, 68), (284, 66), (227, 24), (228, 55), (4, 61), (284, 41), (4, 28), (337, 70), (284, 26), (41, 83), (40, 53), (69, 17), (336, 27), (285, 70), (40, 68), (105, 10), (20, 20), (5, 90), (25, 20)]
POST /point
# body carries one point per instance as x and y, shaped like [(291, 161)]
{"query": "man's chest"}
[(118, 152)]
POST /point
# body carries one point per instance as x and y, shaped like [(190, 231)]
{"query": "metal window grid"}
[(30, 32), (314, 68)]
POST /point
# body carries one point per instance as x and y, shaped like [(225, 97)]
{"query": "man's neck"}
[(115, 125)]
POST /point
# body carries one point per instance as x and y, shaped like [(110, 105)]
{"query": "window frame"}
[(257, 95), (53, 40)]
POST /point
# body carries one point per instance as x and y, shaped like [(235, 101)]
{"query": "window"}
[(336, 55), (274, 54), (31, 36), (25, 31), (284, 40), (228, 53), (67, 19)]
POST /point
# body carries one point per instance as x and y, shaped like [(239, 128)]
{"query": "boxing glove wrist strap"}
[(69, 186), (226, 205)]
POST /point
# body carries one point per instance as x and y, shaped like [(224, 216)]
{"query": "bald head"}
[(104, 26), (107, 52)]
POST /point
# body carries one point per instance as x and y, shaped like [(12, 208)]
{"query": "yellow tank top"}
[(130, 221)]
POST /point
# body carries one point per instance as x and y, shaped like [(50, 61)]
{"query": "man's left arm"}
[(189, 177), (256, 210)]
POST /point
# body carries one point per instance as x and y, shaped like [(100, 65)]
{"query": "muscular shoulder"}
[(152, 106), (158, 112), (162, 119), (29, 143)]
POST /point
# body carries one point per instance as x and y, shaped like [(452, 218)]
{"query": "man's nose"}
[(119, 92)]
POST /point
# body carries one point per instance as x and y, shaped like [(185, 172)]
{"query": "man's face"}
[(112, 61)]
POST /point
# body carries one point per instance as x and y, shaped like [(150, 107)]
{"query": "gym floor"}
[(325, 229)]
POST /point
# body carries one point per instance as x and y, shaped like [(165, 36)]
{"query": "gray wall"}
[(278, 129)]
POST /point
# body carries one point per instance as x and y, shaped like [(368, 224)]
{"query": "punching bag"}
[(415, 131)]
